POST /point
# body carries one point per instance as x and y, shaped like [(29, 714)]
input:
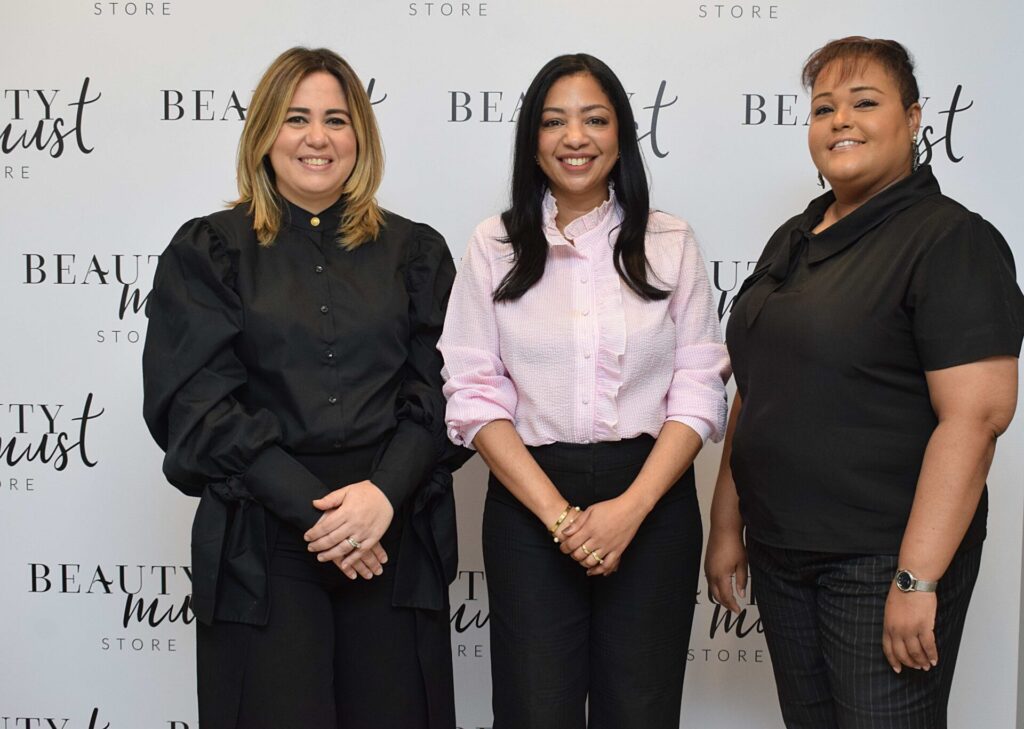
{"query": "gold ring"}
[(584, 548), (353, 542)]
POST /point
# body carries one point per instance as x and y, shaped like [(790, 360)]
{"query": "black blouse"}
[(256, 356), (830, 339)]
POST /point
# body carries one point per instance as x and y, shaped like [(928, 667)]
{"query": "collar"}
[(836, 237), (581, 225), (327, 220), (844, 233)]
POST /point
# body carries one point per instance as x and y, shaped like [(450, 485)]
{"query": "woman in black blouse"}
[(875, 350), (292, 377)]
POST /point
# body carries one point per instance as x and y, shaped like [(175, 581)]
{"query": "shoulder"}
[(670, 242), (939, 222), (217, 234), (489, 241), (665, 229), (233, 226), (778, 239), (937, 213), (418, 240)]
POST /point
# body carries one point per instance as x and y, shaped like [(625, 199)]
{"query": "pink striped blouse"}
[(580, 358)]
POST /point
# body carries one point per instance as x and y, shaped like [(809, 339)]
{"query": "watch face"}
[(904, 581)]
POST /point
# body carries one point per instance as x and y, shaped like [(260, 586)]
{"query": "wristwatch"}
[(906, 582)]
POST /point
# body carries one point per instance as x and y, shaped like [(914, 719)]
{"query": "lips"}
[(845, 144), (315, 162), (576, 164)]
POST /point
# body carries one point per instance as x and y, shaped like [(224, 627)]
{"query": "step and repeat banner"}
[(119, 121)]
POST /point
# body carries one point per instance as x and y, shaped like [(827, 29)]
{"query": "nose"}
[(575, 134), (316, 135), (841, 117)]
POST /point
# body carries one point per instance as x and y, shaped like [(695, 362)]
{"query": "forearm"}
[(956, 463), (673, 453), (725, 505), (505, 454)]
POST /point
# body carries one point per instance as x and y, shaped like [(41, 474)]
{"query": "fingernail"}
[(378, 572), (935, 662), (896, 668)]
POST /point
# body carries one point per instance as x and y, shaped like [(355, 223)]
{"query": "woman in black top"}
[(875, 350), (292, 377)]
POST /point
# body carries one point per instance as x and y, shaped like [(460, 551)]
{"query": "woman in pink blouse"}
[(584, 361)]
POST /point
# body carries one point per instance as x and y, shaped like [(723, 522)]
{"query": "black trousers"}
[(335, 654), (823, 615), (559, 637)]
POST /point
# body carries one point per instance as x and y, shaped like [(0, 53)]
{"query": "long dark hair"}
[(524, 220)]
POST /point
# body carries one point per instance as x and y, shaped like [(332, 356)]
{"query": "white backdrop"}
[(118, 121)]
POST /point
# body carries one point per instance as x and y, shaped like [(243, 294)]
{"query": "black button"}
[(324, 309), (318, 268), (332, 400), (336, 444), (330, 354)]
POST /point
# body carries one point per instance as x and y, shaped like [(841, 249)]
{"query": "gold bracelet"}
[(569, 509), (561, 518)]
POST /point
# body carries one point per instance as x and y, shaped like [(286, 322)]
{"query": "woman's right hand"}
[(354, 520), (726, 559)]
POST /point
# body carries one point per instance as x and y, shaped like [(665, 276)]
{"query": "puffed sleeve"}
[(419, 439), (697, 396), (477, 384), (191, 376), (964, 298)]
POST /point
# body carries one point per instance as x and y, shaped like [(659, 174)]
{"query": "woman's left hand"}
[(357, 514), (908, 635), (606, 528)]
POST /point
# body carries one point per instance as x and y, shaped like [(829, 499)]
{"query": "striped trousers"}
[(823, 619)]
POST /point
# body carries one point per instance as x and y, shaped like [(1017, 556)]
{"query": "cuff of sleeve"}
[(700, 427), (407, 461), (285, 487)]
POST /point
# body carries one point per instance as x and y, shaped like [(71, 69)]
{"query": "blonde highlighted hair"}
[(362, 217)]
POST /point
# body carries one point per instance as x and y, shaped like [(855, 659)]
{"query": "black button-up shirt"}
[(830, 338), (259, 355)]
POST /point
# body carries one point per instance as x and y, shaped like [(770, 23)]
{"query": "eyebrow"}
[(304, 110), (855, 89), (585, 109)]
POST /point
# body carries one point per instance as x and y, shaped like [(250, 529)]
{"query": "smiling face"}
[(578, 141), (860, 134), (315, 151)]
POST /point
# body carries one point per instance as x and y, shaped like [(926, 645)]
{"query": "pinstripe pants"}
[(823, 617)]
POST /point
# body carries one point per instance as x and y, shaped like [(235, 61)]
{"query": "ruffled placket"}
[(601, 314)]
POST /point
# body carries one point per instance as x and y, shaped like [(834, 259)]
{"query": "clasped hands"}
[(348, 533), (597, 536)]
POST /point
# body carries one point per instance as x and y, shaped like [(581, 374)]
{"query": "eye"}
[(597, 121), (295, 120), (865, 103), (821, 110), (337, 122), (550, 123)]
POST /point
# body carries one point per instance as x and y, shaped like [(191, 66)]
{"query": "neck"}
[(572, 207), (851, 197)]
